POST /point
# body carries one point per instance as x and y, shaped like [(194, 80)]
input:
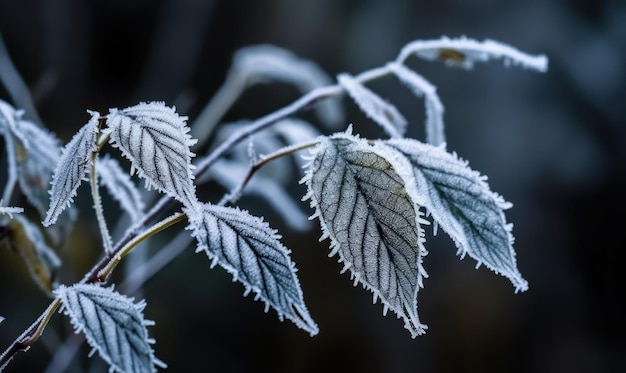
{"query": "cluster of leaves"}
[(372, 197)]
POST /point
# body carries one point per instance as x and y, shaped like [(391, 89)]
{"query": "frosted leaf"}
[(462, 204), (377, 109), (463, 52), (35, 155), (250, 250), (364, 198), (71, 169), (155, 139), (1, 319), (434, 108), (27, 240), (38, 152), (113, 325), (8, 210), (120, 186), (261, 63)]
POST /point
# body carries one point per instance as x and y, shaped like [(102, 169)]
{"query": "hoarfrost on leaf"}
[(26, 239), (434, 108), (155, 139), (377, 109), (38, 152), (120, 186), (364, 198), (71, 169), (113, 325), (461, 202), (250, 250), (463, 52)]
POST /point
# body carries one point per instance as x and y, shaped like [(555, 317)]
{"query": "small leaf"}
[(364, 199), (250, 250), (113, 325), (434, 108), (229, 173), (377, 109), (120, 186), (74, 163), (26, 239), (155, 139), (1, 319), (461, 202), (463, 52)]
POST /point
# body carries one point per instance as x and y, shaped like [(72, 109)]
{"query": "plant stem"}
[(30, 335), (97, 206), (105, 272)]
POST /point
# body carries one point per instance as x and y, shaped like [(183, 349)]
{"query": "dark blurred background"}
[(553, 144)]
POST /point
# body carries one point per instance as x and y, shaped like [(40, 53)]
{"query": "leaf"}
[(120, 186), (113, 325), (261, 63), (463, 52), (74, 163), (26, 239), (155, 139), (1, 319), (364, 199), (250, 250), (37, 154), (377, 109), (461, 202), (434, 108)]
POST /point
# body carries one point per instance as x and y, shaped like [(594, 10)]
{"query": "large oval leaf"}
[(71, 169), (113, 325), (461, 202), (367, 206), (155, 139), (250, 250)]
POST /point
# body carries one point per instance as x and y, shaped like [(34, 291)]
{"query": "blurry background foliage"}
[(553, 144)]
